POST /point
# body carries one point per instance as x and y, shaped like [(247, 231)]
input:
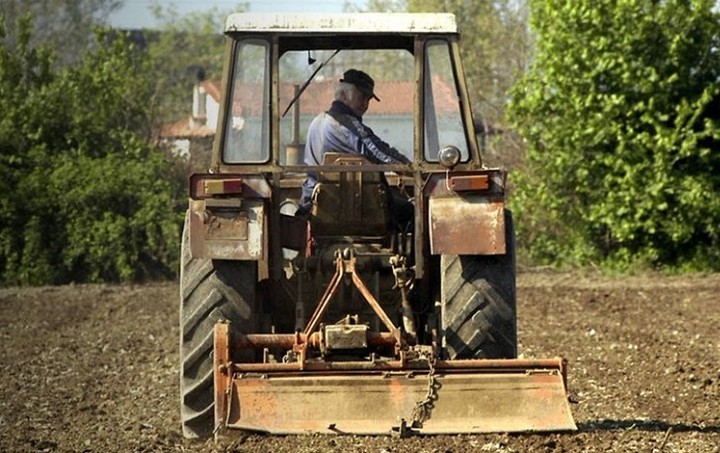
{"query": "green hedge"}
[(85, 196)]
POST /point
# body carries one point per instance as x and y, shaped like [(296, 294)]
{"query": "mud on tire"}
[(478, 317), (210, 290)]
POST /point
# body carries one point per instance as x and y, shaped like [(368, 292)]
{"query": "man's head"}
[(356, 90), (362, 81)]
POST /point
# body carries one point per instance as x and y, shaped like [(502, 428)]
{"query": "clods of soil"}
[(93, 368)]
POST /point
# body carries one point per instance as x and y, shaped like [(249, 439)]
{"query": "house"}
[(194, 134)]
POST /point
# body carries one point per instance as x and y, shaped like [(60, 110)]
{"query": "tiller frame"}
[(415, 393)]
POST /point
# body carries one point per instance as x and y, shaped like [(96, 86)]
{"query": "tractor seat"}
[(349, 203)]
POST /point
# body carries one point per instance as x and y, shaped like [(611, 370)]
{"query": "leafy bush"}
[(85, 194), (620, 108)]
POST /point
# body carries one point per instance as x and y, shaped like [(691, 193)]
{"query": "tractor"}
[(341, 319)]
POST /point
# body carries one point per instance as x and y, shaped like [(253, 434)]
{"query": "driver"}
[(341, 129)]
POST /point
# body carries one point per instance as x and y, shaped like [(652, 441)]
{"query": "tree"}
[(23, 70), (185, 49), (620, 108), (85, 196), (66, 26)]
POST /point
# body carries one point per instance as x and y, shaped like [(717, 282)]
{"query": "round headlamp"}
[(449, 156)]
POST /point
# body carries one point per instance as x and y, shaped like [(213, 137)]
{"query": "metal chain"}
[(422, 409)]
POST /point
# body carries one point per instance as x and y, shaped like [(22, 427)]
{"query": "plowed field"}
[(94, 369)]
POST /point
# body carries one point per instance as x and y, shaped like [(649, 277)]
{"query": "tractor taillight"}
[(214, 187)]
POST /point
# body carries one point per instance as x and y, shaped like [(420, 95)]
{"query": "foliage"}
[(63, 25), (620, 108), (85, 197), (186, 49)]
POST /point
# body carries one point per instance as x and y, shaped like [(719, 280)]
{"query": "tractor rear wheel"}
[(210, 290), (478, 317)]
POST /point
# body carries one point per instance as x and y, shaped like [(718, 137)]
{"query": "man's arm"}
[(364, 141), (378, 151), (374, 148)]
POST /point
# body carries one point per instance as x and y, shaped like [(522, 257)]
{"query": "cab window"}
[(247, 125), (443, 118)]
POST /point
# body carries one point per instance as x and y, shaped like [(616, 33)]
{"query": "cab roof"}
[(371, 23)]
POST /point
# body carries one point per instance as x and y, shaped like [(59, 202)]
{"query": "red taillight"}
[(213, 187)]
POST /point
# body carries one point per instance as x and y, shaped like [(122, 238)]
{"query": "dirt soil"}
[(94, 369)]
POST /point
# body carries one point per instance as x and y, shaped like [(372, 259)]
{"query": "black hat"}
[(364, 82)]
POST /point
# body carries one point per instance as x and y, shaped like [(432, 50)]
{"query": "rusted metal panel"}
[(470, 182), (470, 400), (384, 396), (471, 224), (221, 377), (231, 229), (499, 366)]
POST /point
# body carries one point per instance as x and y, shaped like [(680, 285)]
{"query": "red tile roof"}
[(185, 129), (397, 97), (212, 87)]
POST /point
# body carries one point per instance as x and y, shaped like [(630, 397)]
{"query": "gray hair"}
[(348, 89)]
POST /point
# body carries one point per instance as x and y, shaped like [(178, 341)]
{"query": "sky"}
[(135, 13)]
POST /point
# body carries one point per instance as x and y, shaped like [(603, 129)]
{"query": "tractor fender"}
[(466, 214), (228, 229)]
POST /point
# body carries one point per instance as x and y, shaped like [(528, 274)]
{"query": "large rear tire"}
[(210, 290), (478, 307)]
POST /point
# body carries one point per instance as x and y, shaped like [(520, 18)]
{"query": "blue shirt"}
[(340, 130)]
